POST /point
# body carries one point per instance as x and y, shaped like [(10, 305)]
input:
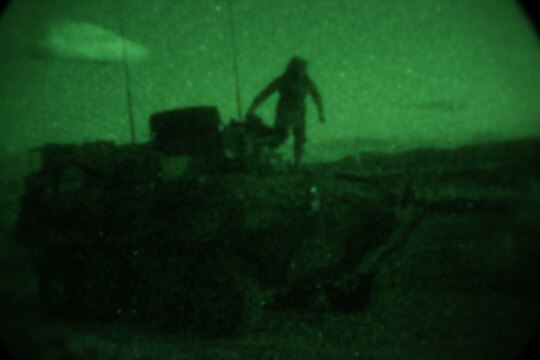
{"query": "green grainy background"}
[(392, 74), (401, 72)]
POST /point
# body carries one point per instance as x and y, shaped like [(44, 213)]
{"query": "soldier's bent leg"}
[(299, 141), (280, 136)]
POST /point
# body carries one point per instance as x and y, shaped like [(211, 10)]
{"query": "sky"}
[(416, 72)]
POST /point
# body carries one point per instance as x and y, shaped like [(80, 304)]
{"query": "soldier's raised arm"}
[(263, 95), (314, 92)]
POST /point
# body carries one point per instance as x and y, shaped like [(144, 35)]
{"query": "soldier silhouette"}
[(293, 87)]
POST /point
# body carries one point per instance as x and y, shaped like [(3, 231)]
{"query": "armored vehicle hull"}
[(182, 239)]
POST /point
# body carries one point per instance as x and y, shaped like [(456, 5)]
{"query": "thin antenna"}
[(235, 60), (129, 95)]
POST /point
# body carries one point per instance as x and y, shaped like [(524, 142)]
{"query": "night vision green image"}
[(257, 179)]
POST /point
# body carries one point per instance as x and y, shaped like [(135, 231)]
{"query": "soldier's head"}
[(296, 68)]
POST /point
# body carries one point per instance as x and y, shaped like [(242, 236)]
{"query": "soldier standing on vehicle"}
[(293, 87)]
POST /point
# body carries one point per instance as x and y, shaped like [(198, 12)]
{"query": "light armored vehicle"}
[(198, 229)]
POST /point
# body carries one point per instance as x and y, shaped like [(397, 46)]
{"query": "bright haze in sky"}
[(436, 72)]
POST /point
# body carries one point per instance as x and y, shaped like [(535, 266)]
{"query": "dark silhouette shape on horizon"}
[(293, 86)]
